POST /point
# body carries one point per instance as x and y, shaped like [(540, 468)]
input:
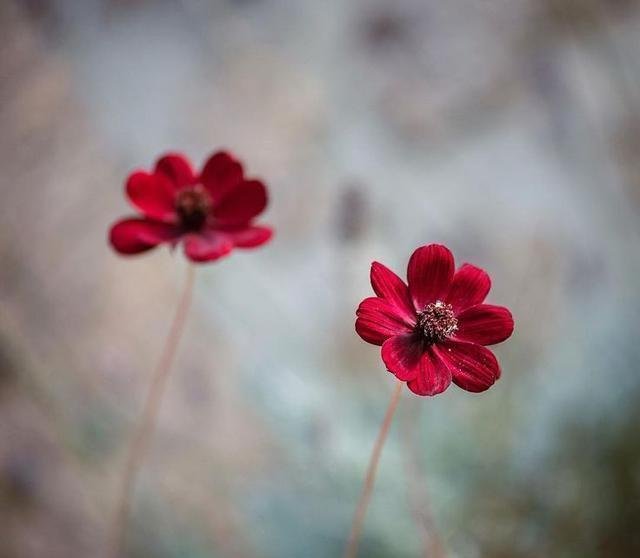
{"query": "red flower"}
[(433, 331), (211, 212)]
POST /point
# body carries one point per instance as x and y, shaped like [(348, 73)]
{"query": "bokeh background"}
[(507, 129)]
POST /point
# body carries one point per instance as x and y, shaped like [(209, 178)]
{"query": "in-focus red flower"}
[(211, 213), (434, 330)]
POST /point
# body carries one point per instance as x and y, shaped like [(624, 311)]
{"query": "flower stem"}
[(148, 420), (365, 497)]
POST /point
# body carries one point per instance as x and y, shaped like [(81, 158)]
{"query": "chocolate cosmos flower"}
[(210, 213), (434, 330)]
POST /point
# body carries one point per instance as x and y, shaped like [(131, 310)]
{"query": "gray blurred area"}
[(507, 129)]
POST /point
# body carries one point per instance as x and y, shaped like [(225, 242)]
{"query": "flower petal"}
[(132, 236), (484, 324), (378, 320), (473, 367), (387, 285), (409, 360), (152, 194), (207, 246), (177, 168), (402, 355), (434, 376), (242, 203), (220, 174), (250, 237), (470, 286), (429, 274)]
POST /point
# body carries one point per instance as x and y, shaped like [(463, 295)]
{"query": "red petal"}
[(177, 168), (208, 246), (402, 355), (152, 194), (132, 236), (434, 376), (242, 203), (429, 273), (251, 237), (386, 284), (484, 324), (406, 357), (221, 173), (470, 286), (473, 367), (378, 320)]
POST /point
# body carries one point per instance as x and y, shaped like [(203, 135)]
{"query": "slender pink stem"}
[(148, 420), (365, 497)]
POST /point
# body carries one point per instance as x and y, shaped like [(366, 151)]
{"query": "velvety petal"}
[(152, 194), (484, 324), (221, 173), (434, 376), (207, 246), (387, 285), (132, 236), (429, 274), (242, 203), (251, 237), (378, 320), (402, 355), (473, 367), (409, 360), (470, 286), (177, 168)]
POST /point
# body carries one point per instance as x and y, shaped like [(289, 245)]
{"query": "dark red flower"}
[(434, 330), (211, 213)]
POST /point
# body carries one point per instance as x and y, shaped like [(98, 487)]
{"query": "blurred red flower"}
[(211, 213), (434, 330)]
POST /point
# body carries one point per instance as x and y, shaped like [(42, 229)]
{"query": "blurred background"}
[(507, 129)]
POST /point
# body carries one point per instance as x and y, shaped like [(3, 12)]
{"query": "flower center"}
[(193, 206), (437, 321)]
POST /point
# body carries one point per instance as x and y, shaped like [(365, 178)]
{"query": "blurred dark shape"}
[(618, 534), (585, 501), (385, 27), (37, 10), (43, 15), (585, 275), (604, 471), (244, 2), (626, 146), (549, 85), (127, 3), (351, 212), (7, 368), (583, 14), (18, 481)]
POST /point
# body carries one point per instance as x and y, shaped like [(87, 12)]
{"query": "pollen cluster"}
[(437, 321), (193, 206)]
